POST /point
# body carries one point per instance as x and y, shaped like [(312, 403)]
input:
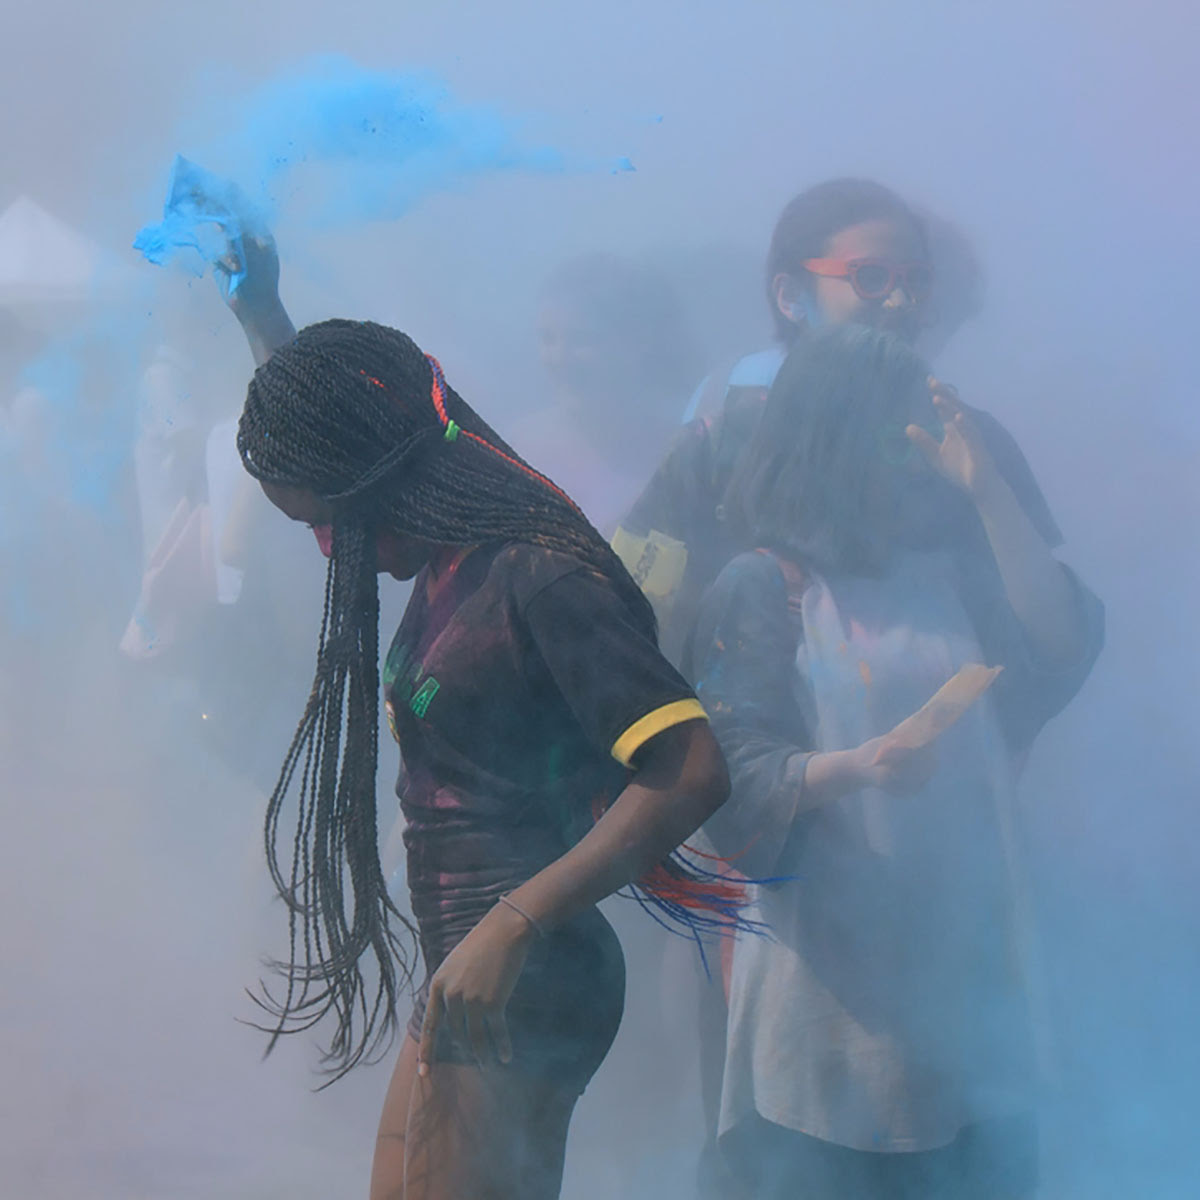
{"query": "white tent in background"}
[(45, 263)]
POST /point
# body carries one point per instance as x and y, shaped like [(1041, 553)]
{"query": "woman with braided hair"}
[(527, 694)]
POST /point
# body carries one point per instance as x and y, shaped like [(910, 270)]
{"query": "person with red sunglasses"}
[(881, 1043), (845, 252), (876, 271)]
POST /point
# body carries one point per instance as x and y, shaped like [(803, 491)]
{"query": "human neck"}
[(444, 564)]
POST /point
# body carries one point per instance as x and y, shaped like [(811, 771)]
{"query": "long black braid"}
[(357, 414)]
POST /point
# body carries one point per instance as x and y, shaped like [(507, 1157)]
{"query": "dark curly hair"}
[(813, 217), (815, 482)]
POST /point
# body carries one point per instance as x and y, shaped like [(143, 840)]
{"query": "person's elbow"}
[(706, 775), (685, 764), (1071, 641)]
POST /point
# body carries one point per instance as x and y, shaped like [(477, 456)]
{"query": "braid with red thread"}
[(327, 409), (439, 404), (356, 413)]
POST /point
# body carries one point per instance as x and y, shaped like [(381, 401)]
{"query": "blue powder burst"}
[(336, 145), (203, 213)]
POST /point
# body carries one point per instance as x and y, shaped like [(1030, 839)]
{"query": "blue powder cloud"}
[(333, 145), (327, 145), (203, 213)]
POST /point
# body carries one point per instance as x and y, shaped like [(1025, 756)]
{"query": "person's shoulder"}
[(757, 370), (524, 570), (684, 459), (753, 571), (740, 413), (745, 394), (689, 437), (745, 603), (752, 372)]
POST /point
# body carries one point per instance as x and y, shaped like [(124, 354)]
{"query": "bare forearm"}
[(661, 807), (828, 776), (267, 327), (1037, 587), (878, 763)]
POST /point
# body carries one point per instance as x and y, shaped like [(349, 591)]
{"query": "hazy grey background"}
[(1059, 135)]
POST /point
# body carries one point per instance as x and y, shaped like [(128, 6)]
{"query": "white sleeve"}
[(163, 412), (224, 470)]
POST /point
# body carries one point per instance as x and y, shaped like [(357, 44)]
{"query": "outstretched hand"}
[(961, 457), (892, 767), (470, 990), (248, 274)]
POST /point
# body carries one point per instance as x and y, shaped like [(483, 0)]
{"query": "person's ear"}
[(792, 299)]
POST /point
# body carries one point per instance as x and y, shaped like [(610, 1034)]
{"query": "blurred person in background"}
[(216, 623), (619, 347), (19, 418), (881, 1043), (618, 353), (67, 515), (844, 252)]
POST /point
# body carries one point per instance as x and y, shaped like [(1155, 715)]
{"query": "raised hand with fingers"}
[(248, 277), (248, 274), (961, 457)]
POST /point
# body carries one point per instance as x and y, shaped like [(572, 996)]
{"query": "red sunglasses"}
[(876, 278)]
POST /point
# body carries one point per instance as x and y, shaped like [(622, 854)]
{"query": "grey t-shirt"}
[(887, 1009)]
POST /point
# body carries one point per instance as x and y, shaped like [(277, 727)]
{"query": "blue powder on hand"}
[(337, 145), (204, 213)]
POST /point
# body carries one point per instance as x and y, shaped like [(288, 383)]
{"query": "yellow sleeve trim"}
[(652, 724)]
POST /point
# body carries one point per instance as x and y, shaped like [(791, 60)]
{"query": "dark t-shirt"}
[(747, 634), (685, 501), (520, 688)]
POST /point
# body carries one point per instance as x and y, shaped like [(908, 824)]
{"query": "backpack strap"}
[(729, 438), (795, 581), (709, 397)]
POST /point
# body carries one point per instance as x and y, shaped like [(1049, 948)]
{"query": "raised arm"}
[(254, 300), (1040, 591)]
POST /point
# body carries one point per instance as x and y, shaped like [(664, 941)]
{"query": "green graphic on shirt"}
[(424, 696), (403, 679)]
